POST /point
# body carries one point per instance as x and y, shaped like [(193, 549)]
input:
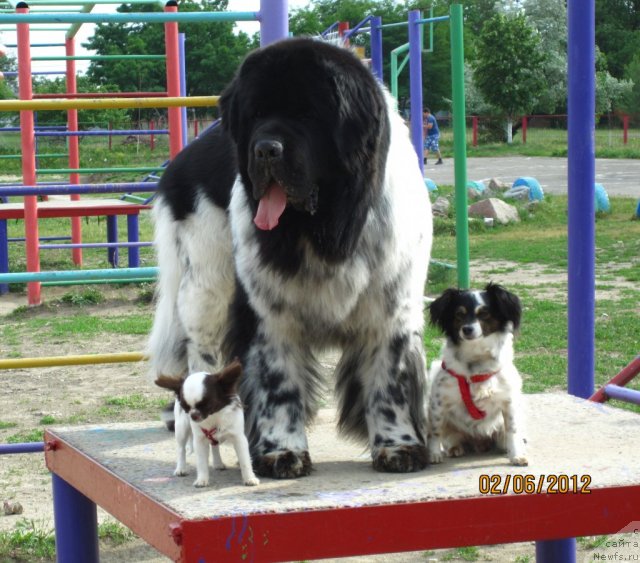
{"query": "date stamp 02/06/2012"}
[(534, 484)]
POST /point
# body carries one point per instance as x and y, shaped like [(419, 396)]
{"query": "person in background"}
[(430, 134)]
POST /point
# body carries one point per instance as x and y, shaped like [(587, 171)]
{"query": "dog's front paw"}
[(435, 452), (251, 481), (456, 451), (283, 464), (201, 482), (400, 459), (180, 472), (520, 460)]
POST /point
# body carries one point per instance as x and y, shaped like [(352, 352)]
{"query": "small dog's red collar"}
[(211, 435), (465, 392)]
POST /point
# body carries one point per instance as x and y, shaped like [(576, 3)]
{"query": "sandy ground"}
[(76, 393)]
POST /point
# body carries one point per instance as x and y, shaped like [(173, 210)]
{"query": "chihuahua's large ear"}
[(439, 309), (168, 382), (229, 376), (505, 303)]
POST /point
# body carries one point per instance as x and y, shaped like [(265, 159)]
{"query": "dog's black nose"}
[(467, 330), (268, 150)]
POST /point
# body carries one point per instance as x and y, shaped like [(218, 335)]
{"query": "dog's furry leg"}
[(391, 376), (436, 419), (201, 446), (280, 391), (241, 446), (217, 459), (183, 435), (513, 429)]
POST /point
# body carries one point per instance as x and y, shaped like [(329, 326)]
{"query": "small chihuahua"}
[(209, 409)]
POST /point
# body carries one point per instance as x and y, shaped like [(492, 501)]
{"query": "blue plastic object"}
[(477, 186), (535, 189), (430, 185), (638, 210), (602, 199)]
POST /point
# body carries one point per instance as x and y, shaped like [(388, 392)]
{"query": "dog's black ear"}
[(228, 108), (228, 378), (440, 309), (504, 303), (168, 382)]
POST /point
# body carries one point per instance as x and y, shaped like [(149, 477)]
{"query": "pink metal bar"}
[(74, 148), (173, 80), (27, 141)]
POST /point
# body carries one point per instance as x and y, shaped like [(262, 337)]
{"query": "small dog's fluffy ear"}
[(168, 382), (229, 376), (505, 302), (438, 310)]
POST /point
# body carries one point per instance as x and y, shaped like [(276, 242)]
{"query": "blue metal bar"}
[(556, 551), (4, 255), (96, 245), (132, 17), (330, 29), (78, 275), (357, 27), (415, 84), (68, 189), (274, 21), (112, 236), (433, 20), (376, 47), (622, 394), (133, 236), (23, 448), (581, 207), (76, 524), (183, 86), (105, 133)]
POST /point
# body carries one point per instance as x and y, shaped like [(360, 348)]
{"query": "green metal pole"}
[(460, 145)]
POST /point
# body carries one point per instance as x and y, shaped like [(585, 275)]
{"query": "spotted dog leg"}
[(279, 387), (382, 386), (514, 437)]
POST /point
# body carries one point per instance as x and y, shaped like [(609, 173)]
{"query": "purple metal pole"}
[(4, 254), (133, 236), (415, 84), (112, 236), (24, 448), (556, 551), (622, 394), (66, 189), (76, 524), (274, 21), (581, 166), (183, 86), (376, 47)]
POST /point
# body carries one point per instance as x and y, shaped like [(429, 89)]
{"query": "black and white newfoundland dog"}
[(301, 224)]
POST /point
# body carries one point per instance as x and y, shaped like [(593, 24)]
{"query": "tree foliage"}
[(618, 32), (509, 63)]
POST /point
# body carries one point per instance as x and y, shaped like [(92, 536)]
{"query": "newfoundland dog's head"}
[(312, 134)]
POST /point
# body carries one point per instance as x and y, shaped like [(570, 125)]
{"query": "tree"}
[(213, 51), (618, 32), (549, 19), (609, 90), (631, 102), (508, 68)]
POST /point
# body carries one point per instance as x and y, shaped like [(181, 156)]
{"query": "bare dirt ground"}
[(78, 394)]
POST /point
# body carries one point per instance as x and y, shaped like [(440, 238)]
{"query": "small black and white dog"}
[(475, 389), (209, 409)]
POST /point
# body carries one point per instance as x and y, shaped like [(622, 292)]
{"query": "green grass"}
[(470, 553), (31, 541), (5, 425), (34, 435)]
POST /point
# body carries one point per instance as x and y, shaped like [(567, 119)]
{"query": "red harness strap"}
[(465, 392), (211, 435)]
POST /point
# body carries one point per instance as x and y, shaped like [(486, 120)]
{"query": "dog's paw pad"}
[(436, 457), (400, 459), (456, 451), (283, 464), (199, 483), (252, 481), (180, 472), (519, 460)]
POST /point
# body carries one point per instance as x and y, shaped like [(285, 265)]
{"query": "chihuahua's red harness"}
[(211, 435), (465, 392)]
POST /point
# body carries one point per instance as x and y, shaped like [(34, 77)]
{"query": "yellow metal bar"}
[(113, 103), (52, 361)]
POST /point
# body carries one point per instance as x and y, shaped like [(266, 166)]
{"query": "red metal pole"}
[(474, 122), (625, 129), (152, 140), (343, 27), (173, 80), (28, 146), (524, 129), (74, 150)]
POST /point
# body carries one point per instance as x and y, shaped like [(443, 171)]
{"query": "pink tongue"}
[(270, 208)]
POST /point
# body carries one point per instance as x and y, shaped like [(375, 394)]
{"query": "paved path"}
[(620, 177)]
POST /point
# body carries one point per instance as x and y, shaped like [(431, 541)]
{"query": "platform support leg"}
[(556, 551), (76, 523), (133, 235), (4, 254), (112, 236)]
